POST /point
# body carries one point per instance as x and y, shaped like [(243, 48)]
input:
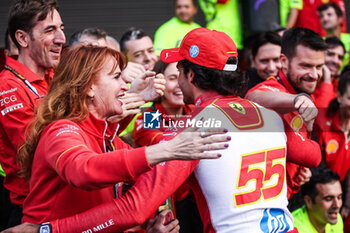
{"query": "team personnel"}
[(36, 28), (224, 16), (323, 200), (213, 87), (332, 20), (170, 34), (326, 89), (289, 10), (171, 107), (138, 48), (93, 36), (113, 43), (265, 58), (333, 127), (288, 93), (308, 16)]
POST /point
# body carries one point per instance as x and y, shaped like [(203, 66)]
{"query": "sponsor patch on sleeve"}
[(11, 108), (68, 129)]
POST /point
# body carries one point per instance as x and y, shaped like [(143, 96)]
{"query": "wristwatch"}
[(45, 228)]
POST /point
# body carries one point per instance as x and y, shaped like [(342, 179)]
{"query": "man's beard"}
[(298, 90)]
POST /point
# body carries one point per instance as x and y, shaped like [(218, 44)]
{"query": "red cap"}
[(208, 48)]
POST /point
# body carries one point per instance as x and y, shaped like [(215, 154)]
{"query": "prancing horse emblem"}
[(237, 107)]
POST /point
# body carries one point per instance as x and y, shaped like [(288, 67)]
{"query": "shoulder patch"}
[(11, 108), (242, 113)]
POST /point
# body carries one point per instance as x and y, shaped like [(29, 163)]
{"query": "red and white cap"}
[(208, 48)]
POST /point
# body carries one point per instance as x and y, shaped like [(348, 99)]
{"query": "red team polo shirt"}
[(334, 143), (308, 16), (17, 103), (325, 93), (295, 121)]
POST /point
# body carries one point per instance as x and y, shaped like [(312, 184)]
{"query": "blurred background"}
[(116, 16)]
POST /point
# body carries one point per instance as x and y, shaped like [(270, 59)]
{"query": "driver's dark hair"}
[(224, 82)]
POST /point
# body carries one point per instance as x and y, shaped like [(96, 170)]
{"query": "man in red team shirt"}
[(37, 30), (35, 26), (289, 92), (308, 16)]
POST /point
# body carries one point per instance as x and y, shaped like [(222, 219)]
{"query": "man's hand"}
[(23, 228), (344, 212), (132, 71), (159, 225), (304, 176), (148, 85), (326, 77), (131, 106), (307, 109)]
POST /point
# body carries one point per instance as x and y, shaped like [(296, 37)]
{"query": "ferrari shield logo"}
[(237, 107)]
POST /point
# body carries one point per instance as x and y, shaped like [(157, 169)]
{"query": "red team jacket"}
[(227, 200), (325, 93), (334, 143), (294, 120), (17, 103), (72, 172)]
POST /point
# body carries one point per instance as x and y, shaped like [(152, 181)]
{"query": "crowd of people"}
[(196, 132)]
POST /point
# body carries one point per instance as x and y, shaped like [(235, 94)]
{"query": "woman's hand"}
[(191, 144), (23, 228)]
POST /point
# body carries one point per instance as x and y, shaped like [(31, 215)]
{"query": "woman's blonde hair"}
[(67, 94)]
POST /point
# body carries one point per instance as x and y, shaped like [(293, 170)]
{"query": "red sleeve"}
[(145, 137), (150, 191), (300, 150), (323, 95), (65, 149), (268, 85), (17, 111)]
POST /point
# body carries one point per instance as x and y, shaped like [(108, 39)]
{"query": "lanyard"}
[(18, 75), (109, 145)]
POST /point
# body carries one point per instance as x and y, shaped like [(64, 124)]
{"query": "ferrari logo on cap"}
[(194, 51), (237, 107)]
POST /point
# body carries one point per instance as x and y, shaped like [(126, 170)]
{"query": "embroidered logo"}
[(332, 146), (237, 107), (194, 51), (296, 123)]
